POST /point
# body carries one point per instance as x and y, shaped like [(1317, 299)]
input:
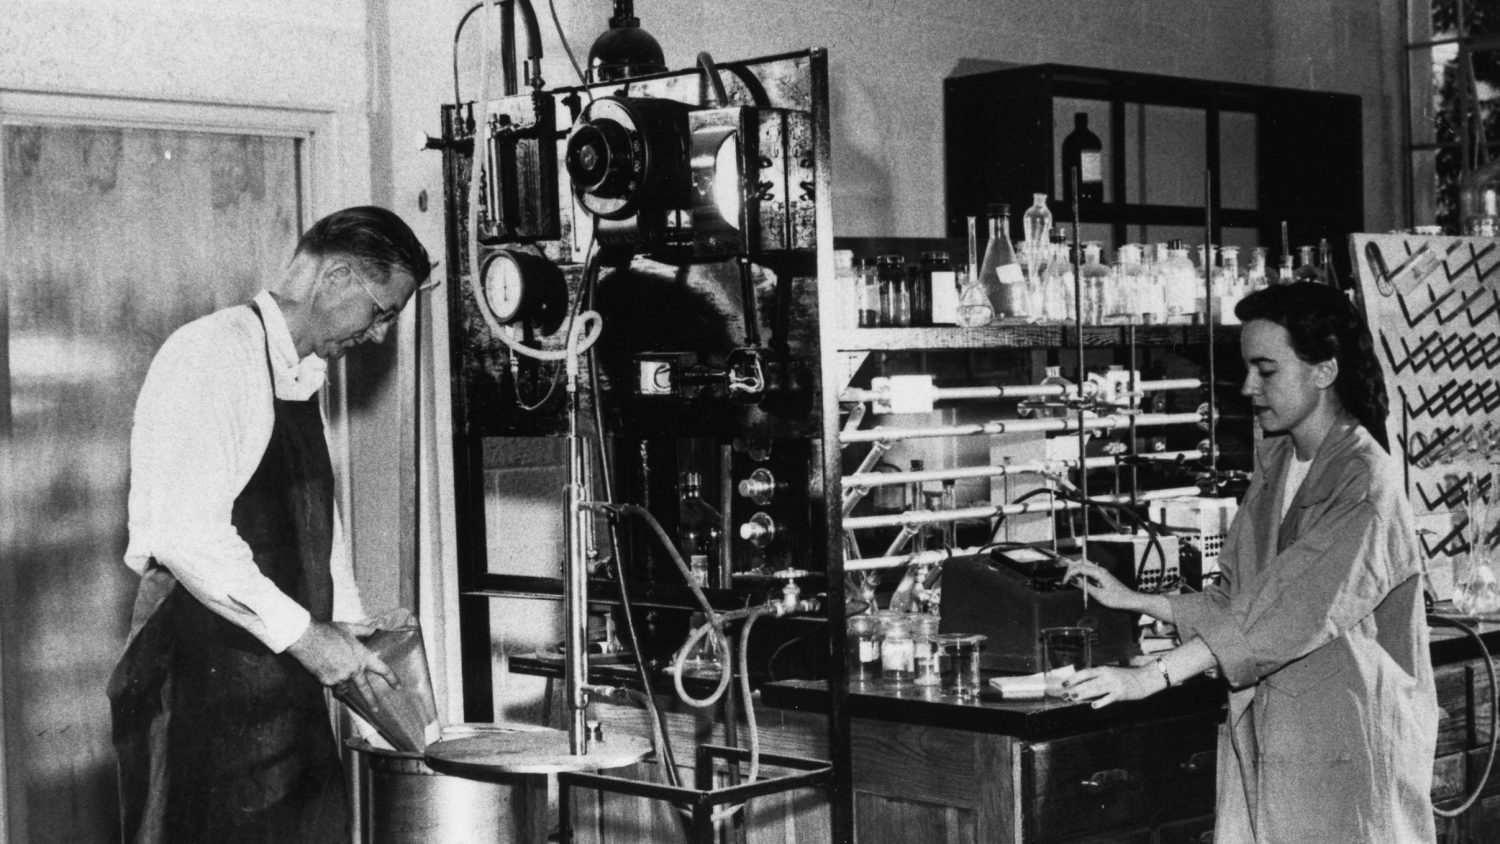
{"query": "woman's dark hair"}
[(1324, 325), (373, 237)]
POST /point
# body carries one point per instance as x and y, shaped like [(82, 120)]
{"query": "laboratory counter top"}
[(1040, 720), (1029, 720), (1451, 644)]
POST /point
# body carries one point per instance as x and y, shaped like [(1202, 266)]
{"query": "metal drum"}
[(403, 801)]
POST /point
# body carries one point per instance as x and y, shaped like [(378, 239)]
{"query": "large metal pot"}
[(402, 801)]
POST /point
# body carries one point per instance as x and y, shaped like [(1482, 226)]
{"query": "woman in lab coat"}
[(1318, 624)]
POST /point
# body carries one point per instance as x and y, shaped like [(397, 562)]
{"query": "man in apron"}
[(247, 606)]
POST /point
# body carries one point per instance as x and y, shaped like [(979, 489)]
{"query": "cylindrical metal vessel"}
[(405, 802)]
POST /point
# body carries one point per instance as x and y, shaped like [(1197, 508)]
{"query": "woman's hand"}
[(1098, 583), (1104, 686)]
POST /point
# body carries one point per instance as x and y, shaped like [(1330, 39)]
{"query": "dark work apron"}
[(218, 738)]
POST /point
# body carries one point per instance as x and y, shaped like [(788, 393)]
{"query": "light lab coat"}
[(1319, 628)]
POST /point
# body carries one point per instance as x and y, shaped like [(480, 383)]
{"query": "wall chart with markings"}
[(1433, 306)]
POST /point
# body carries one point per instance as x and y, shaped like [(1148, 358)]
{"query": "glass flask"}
[(974, 307), (1037, 223), (1479, 591), (1000, 273), (1038, 220)]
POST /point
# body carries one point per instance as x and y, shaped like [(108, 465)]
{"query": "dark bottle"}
[(920, 289), (1081, 149), (942, 288), (895, 294), (868, 278), (699, 531)]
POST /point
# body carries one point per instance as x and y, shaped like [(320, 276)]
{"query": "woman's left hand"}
[(1106, 685)]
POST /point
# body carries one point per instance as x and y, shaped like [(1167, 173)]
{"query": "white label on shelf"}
[(1010, 274)]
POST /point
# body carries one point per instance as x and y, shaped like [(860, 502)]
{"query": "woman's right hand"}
[(1099, 584)]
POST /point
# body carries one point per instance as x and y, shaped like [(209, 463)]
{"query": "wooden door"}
[(111, 238)]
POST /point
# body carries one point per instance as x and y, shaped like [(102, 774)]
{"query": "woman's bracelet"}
[(1161, 666)]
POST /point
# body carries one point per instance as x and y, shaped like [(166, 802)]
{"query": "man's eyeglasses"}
[(383, 314)]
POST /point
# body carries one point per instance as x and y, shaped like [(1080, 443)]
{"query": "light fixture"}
[(624, 50)]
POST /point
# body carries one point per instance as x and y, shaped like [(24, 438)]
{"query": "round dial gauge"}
[(504, 285)]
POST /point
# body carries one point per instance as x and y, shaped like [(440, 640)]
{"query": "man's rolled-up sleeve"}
[(192, 430)]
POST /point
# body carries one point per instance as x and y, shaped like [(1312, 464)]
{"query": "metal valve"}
[(760, 531), (759, 487)]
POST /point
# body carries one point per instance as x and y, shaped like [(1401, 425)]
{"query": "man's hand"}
[(332, 653)]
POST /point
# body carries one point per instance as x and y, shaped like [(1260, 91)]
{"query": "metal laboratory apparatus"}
[(639, 259)]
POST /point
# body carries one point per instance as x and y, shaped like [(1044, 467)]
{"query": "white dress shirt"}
[(202, 423)]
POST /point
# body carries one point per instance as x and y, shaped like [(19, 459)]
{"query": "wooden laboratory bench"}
[(1463, 692), (926, 768)]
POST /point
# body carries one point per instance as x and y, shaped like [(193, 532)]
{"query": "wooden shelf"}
[(1029, 337)]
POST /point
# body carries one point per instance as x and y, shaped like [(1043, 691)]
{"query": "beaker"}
[(958, 663), (1066, 647)]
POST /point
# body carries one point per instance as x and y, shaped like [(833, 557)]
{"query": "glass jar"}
[(895, 295), (942, 288), (863, 649), (925, 655), (868, 281), (897, 652)]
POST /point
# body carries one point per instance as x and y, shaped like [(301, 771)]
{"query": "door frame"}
[(323, 158)]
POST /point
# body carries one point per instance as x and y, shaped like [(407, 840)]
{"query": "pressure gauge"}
[(523, 287)]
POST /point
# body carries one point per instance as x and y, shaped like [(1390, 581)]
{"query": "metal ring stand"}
[(522, 758), (703, 799)]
